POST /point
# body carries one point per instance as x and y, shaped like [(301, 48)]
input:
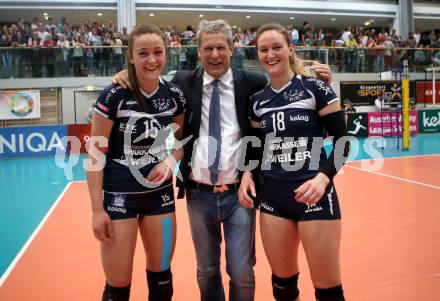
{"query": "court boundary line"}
[(393, 177), (401, 157), (32, 237)]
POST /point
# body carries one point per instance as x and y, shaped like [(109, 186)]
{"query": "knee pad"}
[(330, 294), (112, 293), (285, 289), (160, 285)]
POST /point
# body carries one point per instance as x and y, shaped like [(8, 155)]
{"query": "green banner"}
[(429, 121)]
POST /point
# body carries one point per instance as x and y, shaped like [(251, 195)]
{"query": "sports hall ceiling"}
[(183, 18)]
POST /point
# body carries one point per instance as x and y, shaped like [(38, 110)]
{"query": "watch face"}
[(21, 104)]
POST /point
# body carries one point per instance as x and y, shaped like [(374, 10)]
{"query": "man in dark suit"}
[(212, 203), (210, 174)]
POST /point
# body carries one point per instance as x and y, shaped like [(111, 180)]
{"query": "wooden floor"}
[(390, 243)]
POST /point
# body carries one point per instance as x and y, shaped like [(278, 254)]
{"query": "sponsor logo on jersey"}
[(167, 200), (131, 102), (263, 102), (116, 209), (266, 206), (293, 95), (281, 158), (102, 107), (299, 118), (181, 95), (119, 200), (112, 91), (161, 104), (322, 86), (127, 128), (313, 208)]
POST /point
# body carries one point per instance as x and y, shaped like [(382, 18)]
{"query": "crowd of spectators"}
[(96, 49)]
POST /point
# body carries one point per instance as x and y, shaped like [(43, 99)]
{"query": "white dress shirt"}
[(230, 132)]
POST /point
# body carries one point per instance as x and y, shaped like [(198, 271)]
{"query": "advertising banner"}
[(82, 132), (389, 124), (31, 141), (429, 121), (366, 92), (357, 124), (19, 104), (424, 91)]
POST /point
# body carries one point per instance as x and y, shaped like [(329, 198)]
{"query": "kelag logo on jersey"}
[(31, 141), (357, 124)]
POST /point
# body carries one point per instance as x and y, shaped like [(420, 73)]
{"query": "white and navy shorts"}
[(137, 205), (279, 199)]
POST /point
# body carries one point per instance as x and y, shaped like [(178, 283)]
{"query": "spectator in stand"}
[(62, 24), (424, 41), (389, 53), (360, 55), (176, 52), (95, 40), (35, 22), (6, 56), (107, 50), (63, 56), (417, 36), (437, 59), (19, 57), (346, 34), (50, 24), (42, 33), (302, 33), (124, 36), (35, 60), (350, 55), (238, 53), (191, 52), (117, 52), (78, 54), (295, 36), (48, 56), (379, 53)]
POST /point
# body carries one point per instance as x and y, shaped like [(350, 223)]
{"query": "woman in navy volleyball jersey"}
[(299, 201), (134, 189)]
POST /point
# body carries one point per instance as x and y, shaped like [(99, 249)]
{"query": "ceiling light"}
[(333, 19), (45, 14), (99, 14), (151, 15), (292, 18), (367, 23), (371, 21), (248, 17), (201, 16)]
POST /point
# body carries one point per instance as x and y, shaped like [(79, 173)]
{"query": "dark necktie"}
[(214, 131)]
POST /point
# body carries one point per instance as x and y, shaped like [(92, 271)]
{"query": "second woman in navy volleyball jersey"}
[(299, 202)]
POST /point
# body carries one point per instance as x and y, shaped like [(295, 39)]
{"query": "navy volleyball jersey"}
[(289, 118), (145, 144)]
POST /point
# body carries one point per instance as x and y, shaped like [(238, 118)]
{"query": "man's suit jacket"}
[(191, 82)]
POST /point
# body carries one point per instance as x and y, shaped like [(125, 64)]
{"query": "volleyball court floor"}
[(390, 241)]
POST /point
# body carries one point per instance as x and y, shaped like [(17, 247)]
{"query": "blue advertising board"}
[(31, 141)]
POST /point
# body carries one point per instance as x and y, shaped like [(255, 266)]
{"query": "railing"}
[(103, 61)]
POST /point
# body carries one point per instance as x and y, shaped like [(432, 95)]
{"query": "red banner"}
[(424, 92), (80, 131), (390, 123)]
